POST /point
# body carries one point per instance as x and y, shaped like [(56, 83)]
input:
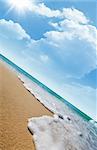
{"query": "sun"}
[(20, 5)]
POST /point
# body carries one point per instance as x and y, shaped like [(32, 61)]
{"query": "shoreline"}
[(17, 70), (17, 105), (36, 97)]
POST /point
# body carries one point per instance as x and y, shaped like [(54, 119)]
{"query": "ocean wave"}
[(66, 130)]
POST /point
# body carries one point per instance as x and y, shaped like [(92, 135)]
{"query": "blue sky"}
[(55, 41)]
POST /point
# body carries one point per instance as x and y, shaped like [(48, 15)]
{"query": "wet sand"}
[(16, 106)]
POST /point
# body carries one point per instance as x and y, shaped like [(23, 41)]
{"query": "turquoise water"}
[(45, 87)]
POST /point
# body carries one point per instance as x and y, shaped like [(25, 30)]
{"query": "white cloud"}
[(13, 40), (70, 29), (44, 58), (74, 22), (12, 30), (75, 15), (77, 55), (74, 40), (69, 13), (74, 44), (43, 10), (76, 52)]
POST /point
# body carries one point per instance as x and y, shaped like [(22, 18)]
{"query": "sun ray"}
[(20, 6)]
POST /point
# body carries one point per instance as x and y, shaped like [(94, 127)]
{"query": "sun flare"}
[(20, 5)]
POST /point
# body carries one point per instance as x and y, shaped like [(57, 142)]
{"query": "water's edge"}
[(82, 114)]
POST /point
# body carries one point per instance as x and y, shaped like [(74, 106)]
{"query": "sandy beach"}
[(16, 106)]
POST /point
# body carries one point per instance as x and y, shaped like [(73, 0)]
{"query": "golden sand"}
[(16, 106)]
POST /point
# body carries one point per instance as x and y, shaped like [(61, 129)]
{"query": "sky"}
[(56, 42)]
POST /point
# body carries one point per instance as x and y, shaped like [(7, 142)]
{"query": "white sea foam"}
[(65, 131), (47, 99), (53, 133)]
